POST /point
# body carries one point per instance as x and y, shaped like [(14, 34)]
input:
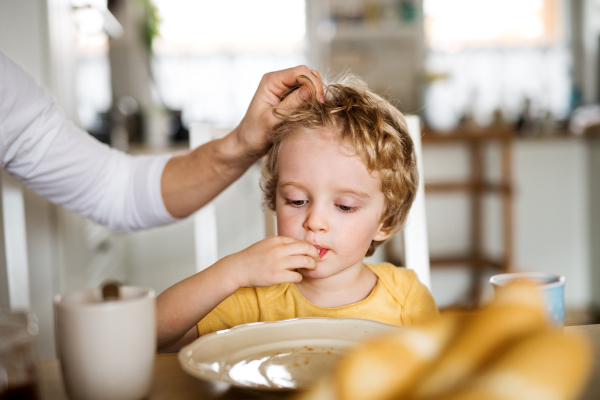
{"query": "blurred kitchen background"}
[(508, 91)]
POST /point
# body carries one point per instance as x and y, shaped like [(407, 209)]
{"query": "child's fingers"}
[(296, 262), (300, 248), (285, 239), (292, 276), (300, 261)]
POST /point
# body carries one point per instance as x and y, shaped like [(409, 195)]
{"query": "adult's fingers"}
[(296, 98), (318, 84), (280, 84), (317, 74)]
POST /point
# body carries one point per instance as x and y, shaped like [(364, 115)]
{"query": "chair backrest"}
[(416, 249), (416, 246), (206, 230), (205, 219), (14, 265)]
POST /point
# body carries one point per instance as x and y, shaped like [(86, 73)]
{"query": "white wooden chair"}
[(205, 219), (416, 247), (14, 266)]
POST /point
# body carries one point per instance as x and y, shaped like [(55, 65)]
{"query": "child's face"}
[(326, 196)]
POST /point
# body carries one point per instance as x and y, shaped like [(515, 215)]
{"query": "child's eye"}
[(346, 209), (296, 203)]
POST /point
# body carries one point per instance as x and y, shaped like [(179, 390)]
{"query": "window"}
[(452, 24), (230, 26), (486, 56), (93, 70), (211, 55)]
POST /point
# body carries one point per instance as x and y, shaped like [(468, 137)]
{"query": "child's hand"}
[(271, 261), (268, 262)]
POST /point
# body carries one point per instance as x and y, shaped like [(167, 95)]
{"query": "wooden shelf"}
[(468, 135), (441, 262), (451, 187)]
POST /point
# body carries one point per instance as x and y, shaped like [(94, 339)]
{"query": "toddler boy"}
[(341, 177)]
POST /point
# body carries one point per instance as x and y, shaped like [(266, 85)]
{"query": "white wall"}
[(586, 52), (26, 36), (551, 214), (23, 25), (22, 28), (163, 256), (594, 218)]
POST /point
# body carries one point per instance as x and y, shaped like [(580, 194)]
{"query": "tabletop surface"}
[(171, 382)]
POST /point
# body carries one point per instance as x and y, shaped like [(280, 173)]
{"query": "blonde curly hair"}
[(375, 128)]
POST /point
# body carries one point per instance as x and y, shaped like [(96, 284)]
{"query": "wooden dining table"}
[(172, 383)]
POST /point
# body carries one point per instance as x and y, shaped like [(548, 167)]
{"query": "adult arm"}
[(43, 150)]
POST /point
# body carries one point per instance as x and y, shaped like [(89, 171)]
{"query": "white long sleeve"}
[(41, 149)]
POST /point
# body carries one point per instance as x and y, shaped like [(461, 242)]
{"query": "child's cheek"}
[(352, 235), (289, 224)]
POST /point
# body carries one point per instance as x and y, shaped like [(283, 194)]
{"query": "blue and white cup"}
[(552, 287)]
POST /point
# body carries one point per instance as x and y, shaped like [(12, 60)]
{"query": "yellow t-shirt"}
[(398, 298)]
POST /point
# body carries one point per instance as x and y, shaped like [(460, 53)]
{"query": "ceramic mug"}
[(552, 287), (106, 348)]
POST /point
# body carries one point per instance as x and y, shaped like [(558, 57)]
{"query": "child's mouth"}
[(322, 251)]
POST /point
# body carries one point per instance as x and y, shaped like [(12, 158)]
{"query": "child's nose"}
[(316, 220)]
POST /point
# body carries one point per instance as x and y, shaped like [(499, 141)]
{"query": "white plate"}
[(275, 355)]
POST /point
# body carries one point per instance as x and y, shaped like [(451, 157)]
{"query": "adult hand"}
[(274, 90), (271, 261), (192, 180)]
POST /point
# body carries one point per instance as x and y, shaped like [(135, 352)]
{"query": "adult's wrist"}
[(236, 150), (228, 155)]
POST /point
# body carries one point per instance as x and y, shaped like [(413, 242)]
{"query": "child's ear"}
[(382, 235)]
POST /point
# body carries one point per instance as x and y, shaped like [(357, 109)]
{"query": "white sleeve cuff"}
[(146, 182)]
